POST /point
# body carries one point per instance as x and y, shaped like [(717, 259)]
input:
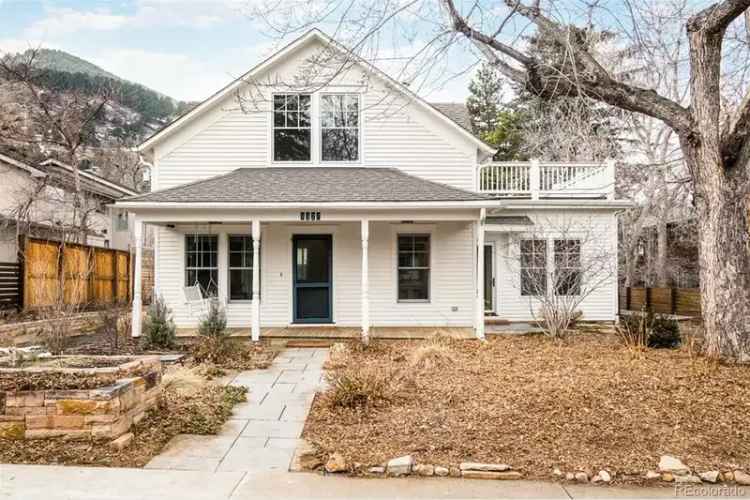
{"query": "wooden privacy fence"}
[(679, 301), (10, 285), (73, 274)]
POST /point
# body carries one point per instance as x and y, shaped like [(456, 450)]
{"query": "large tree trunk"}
[(662, 271), (724, 255)]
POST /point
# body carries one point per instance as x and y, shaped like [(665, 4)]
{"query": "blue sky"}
[(187, 49)]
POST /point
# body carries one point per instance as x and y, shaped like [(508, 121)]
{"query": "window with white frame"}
[(568, 267), (339, 127), (121, 222), (241, 262), (533, 267), (291, 127), (413, 267), (201, 263)]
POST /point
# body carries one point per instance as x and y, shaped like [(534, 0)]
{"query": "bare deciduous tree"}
[(712, 129)]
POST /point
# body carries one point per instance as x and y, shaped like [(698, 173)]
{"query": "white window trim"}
[(229, 268), (319, 133), (185, 266), (424, 229), (272, 128), (521, 268), (580, 264)]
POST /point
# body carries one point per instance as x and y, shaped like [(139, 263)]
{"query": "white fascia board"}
[(134, 205), (92, 177), (573, 204)]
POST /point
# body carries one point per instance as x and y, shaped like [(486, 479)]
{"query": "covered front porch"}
[(336, 273)]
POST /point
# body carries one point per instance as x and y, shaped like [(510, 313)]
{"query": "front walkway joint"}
[(262, 433)]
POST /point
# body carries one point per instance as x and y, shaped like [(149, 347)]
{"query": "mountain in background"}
[(60, 60)]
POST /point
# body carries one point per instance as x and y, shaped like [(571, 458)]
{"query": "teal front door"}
[(313, 285)]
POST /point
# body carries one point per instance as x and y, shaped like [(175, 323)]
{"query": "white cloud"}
[(13, 45), (64, 21)]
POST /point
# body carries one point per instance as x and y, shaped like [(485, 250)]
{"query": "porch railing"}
[(536, 179)]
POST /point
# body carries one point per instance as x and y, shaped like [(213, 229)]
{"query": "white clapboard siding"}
[(451, 275), (396, 132), (601, 305)]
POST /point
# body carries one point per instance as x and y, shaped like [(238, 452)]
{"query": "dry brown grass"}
[(537, 403)]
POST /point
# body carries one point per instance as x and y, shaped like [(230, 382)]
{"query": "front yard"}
[(582, 404)]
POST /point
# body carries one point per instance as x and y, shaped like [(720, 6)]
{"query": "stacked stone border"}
[(101, 413), (32, 332)]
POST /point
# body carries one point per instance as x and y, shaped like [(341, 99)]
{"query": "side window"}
[(413, 267), (291, 127), (121, 223), (241, 262), (339, 127), (568, 267), (533, 267), (201, 263)]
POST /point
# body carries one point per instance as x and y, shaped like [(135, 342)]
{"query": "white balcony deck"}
[(538, 180)]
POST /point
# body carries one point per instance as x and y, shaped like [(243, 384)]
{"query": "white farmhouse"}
[(300, 196)]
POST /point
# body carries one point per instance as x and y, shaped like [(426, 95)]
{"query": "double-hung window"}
[(201, 263), (291, 127), (568, 267), (339, 127), (413, 267), (533, 267), (241, 262)]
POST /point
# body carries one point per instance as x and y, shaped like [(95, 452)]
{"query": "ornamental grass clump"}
[(360, 387), (214, 343)]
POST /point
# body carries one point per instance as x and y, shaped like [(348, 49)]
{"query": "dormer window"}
[(339, 127), (291, 127)]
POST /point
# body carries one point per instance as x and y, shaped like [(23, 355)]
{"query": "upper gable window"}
[(291, 127), (339, 127)]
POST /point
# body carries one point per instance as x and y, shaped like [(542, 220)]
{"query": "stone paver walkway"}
[(263, 432)]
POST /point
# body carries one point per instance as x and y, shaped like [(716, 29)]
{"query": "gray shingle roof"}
[(456, 111), (310, 185)]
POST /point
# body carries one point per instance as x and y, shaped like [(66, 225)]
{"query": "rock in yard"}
[(581, 477), (667, 477), (569, 476), (305, 458), (741, 477), (424, 470), (484, 467), (602, 477), (711, 476), (336, 463), (454, 472), (652, 474), (441, 471), (122, 442), (687, 479), (557, 472), (673, 465), (484, 474), (400, 466), (376, 470)]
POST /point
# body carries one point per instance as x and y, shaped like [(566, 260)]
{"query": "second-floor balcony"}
[(537, 180)]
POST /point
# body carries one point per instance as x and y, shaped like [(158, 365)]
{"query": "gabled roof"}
[(93, 182), (313, 34), (35, 172), (456, 111), (310, 185)]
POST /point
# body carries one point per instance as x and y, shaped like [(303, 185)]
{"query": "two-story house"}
[(307, 196)]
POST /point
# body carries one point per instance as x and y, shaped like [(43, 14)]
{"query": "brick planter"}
[(101, 413)]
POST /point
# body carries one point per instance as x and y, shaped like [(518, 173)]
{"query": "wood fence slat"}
[(679, 301)]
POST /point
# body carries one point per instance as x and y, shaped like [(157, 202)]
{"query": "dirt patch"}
[(584, 403), (202, 412)]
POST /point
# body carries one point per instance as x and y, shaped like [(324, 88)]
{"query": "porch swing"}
[(197, 304)]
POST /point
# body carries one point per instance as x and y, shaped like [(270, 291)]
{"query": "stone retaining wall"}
[(32, 332), (102, 413)]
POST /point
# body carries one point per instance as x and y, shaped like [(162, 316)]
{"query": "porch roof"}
[(310, 185)]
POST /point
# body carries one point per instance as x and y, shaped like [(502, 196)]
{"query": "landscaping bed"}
[(584, 403)]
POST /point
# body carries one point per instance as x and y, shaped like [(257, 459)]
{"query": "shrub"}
[(359, 387), (111, 321), (633, 331), (665, 332), (159, 327), (214, 343)]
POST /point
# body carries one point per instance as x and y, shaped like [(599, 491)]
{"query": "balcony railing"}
[(548, 180)]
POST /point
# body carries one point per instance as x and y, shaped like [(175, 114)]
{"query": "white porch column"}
[(256, 281), (535, 178), (365, 283), (135, 328), (479, 309)]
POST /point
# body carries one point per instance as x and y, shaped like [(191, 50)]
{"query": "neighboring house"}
[(37, 200), (353, 202)]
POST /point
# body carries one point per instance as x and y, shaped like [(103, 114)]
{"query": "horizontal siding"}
[(600, 305), (451, 276)]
